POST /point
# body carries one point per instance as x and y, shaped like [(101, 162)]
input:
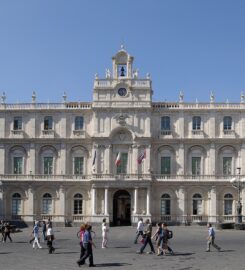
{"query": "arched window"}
[(228, 204), (77, 204), (16, 204), (227, 123), (196, 123), (165, 123), (165, 205), (47, 204), (197, 204)]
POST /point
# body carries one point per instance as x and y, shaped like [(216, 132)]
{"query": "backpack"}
[(170, 234)]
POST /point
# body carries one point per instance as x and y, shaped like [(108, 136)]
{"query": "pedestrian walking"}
[(7, 230), (50, 239), (158, 238), (44, 230), (105, 231), (80, 235), (166, 234), (87, 244), (211, 237), (35, 232), (147, 237), (140, 230), (2, 229)]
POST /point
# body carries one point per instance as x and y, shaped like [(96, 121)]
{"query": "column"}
[(2, 159), (182, 213), (62, 159), (106, 202), (94, 161), (212, 159), (134, 159), (136, 201), (32, 160), (93, 201), (181, 159), (1, 201), (242, 159), (148, 200), (212, 205), (107, 159), (31, 213), (243, 202), (62, 204), (148, 160)]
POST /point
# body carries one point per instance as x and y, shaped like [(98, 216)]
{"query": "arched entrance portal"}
[(121, 208)]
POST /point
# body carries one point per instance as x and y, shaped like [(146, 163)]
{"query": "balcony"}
[(165, 134), (197, 133), (48, 133), (228, 133), (79, 133), (17, 133)]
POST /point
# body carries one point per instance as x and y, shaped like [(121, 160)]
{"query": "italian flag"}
[(118, 159)]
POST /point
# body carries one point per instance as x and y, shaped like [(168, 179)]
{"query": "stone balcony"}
[(48, 133), (228, 133), (165, 134), (79, 134), (17, 134), (197, 133)]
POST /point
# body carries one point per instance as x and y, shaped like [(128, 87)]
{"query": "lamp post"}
[(237, 183)]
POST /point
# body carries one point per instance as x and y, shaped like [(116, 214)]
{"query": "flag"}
[(94, 159), (141, 157), (118, 159)]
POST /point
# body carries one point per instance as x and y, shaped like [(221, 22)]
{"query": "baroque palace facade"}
[(58, 160)]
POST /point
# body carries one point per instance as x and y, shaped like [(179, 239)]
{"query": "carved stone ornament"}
[(121, 118), (122, 136)]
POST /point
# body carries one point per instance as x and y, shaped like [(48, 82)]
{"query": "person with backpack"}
[(50, 239), (211, 237), (147, 238), (140, 230), (158, 239), (165, 236), (7, 230)]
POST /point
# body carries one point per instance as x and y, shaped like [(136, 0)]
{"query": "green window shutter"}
[(165, 165)]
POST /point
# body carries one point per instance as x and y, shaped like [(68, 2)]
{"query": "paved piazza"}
[(189, 244)]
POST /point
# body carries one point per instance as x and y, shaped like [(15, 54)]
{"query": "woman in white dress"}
[(105, 231)]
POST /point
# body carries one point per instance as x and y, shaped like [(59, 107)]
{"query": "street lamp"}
[(238, 184)]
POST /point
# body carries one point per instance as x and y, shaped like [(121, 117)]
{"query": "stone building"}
[(176, 159)]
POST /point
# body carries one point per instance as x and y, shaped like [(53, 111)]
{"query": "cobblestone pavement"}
[(189, 244)]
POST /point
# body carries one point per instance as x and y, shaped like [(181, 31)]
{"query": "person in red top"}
[(80, 234)]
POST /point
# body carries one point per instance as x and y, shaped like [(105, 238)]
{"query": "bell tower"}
[(122, 65)]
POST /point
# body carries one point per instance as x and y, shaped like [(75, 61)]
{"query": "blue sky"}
[(52, 46)]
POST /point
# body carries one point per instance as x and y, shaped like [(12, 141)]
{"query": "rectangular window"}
[(47, 206), (16, 207), (196, 166), (48, 122), (17, 123), (78, 207), (18, 165), (197, 207), (165, 123), (78, 123), (228, 207), (227, 165), (122, 167), (48, 165), (165, 165), (78, 165), (165, 207), (196, 123)]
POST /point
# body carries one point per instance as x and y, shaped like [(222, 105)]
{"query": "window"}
[(48, 122), (78, 165), (122, 167), (78, 122), (165, 205), (196, 123), (48, 165), (165, 165), (17, 123), (16, 204), (227, 165), (165, 123), (196, 166), (18, 165), (78, 204), (47, 204), (227, 123), (197, 204), (228, 203), (121, 70)]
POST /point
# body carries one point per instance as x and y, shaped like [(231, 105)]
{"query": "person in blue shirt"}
[(87, 245), (211, 237)]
